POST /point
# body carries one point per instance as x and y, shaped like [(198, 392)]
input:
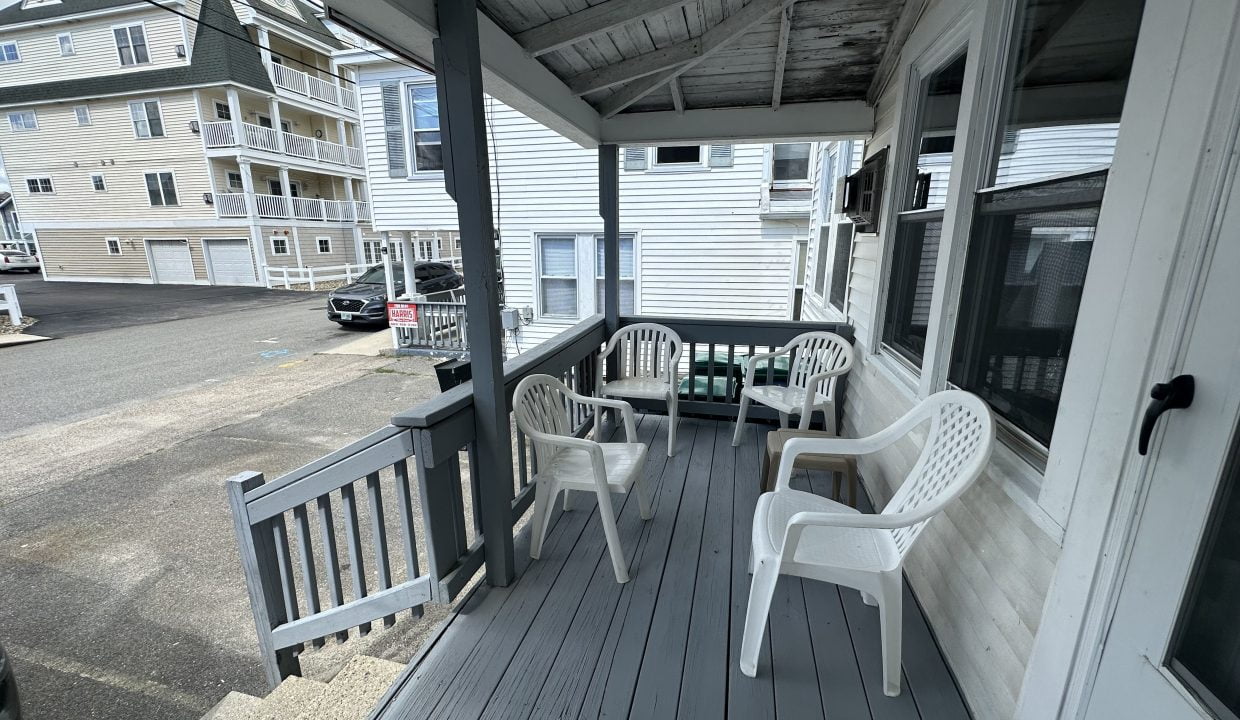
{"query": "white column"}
[(251, 210), (264, 41), (385, 247), (297, 246), (234, 111), (406, 249), (286, 189), (273, 105)]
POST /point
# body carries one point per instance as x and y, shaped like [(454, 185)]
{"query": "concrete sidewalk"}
[(370, 345)]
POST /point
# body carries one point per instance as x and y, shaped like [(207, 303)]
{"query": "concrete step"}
[(355, 690), (288, 700), (234, 706)]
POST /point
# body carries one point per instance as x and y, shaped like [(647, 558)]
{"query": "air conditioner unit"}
[(863, 193), (180, 51)]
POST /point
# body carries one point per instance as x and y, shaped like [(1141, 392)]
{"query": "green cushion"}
[(701, 362), (779, 370), (700, 386)]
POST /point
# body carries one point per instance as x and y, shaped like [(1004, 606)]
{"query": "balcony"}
[(314, 88), (222, 134), (233, 205)]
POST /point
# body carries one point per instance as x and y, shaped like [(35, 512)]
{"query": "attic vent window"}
[(288, 6), (678, 155)]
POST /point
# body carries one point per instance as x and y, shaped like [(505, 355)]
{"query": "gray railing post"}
[(445, 533), (260, 564), (458, 69)]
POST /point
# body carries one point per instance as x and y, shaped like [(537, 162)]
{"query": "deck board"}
[(566, 641)]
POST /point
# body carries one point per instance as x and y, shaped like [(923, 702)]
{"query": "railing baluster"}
[(710, 373), (731, 384), (353, 538), (378, 535), (408, 530), (284, 562), (692, 371), (310, 583), (331, 558), (522, 475)]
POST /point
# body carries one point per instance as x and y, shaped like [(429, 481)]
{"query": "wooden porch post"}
[(609, 209), (458, 71)]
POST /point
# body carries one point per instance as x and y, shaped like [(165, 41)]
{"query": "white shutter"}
[(394, 130), (635, 158), (721, 156)]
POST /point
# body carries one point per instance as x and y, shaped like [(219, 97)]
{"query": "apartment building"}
[(195, 141)]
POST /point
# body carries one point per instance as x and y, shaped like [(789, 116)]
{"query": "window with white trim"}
[(678, 156), (233, 178), (147, 117), (222, 112), (114, 245), (40, 185), (65, 41), (131, 44), (23, 120), (790, 163), (627, 274), (279, 245), (424, 128), (9, 53), (161, 188), (324, 244), (557, 275), (82, 114), (98, 183)]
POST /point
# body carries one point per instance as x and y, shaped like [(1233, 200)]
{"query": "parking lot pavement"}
[(71, 308)]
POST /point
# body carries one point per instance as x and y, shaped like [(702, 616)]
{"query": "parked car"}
[(10, 705), (365, 301), (14, 260)]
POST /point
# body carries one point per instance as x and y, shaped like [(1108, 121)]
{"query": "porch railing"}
[(219, 134), (316, 88), (260, 138), (443, 326), (296, 208), (230, 205), (287, 277)]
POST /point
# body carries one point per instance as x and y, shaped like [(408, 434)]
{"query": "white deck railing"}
[(295, 208), (218, 134), (261, 138), (229, 205), (287, 277), (315, 88), (299, 146)]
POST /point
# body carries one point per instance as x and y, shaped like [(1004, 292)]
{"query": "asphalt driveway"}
[(65, 309)]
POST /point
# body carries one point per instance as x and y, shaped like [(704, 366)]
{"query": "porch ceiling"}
[(660, 71)]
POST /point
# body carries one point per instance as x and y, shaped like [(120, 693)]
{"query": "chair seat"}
[(783, 399), (572, 470), (835, 547), (638, 388)]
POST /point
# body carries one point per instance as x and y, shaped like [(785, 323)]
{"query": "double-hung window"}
[(82, 114), (557, 275), (424, 128), (324, 244), (571, 270), (98, 183), (147, 119), (222, 111), (161, 188), (23, 120), (39, 185), (114, 245), (279, 245), (825, 208), (234, 180), (131, 44), (790, 163), (9, 53), (627, 276), (919, 226), (65, 41), (1033, 227)]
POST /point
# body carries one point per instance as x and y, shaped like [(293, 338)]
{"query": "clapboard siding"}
[(84, 253), (343, 250), (94, 47)]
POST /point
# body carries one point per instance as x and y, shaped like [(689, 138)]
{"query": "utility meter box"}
[(510, 318)]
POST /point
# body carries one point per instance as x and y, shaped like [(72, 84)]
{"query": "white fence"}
[(287, 277), (8, 303)]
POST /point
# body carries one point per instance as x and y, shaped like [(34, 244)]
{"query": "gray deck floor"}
[(566, 641)]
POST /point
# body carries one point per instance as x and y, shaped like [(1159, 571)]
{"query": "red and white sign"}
[(402, 314)]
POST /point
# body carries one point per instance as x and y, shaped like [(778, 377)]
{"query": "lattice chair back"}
[(541, 405), (815, 353), (647, 350), (957, 447)]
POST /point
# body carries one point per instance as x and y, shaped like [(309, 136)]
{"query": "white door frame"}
[(206, 255), (150, 260), (1156, 218)]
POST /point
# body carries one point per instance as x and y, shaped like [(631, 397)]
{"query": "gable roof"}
[(220, 56), (14, 14), (308, 21)]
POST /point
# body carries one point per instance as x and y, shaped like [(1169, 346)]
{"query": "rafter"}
[(654, 66), (592, 21), (895, 45), (678, 96), (781, 55)]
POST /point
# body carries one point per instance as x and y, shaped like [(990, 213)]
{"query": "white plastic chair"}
[(815, 363), (799, 533), (568, 463), (649, 355)]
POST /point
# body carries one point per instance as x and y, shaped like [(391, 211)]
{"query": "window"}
[(839, 268), (424, 111), (558, 275), (82, 113), (279, 245), (626, 275), (161, 188), (324, 244), (23, 120), (8, 53), (915, 249), (790, 162), (39, 185), (275, 188), (147, 119), (820, 260), (65, 40), (131, 44), (97, 182), (678, 155), (221, 111), (1032, 235), (234, 180), (114, 245)]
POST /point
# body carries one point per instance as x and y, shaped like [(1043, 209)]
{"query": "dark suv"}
[(365, 301)]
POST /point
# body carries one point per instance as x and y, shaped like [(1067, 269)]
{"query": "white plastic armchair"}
[(648, 356), (802, 534), (568, 463), (816, 360)]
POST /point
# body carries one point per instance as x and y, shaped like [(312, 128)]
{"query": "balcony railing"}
[(326, 91), (220, 134), (229, 205), (442, 327)]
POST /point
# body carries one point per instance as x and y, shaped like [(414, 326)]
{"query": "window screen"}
[(558, 269), (626, 274), (839, 267)]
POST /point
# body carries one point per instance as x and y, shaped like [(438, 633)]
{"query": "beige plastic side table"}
[(840, 464)]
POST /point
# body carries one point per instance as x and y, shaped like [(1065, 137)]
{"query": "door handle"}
[(1174, 395)]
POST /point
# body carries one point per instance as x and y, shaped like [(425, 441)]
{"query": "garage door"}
[(231, 262), (172, 261)]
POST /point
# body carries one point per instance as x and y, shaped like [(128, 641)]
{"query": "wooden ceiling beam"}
[(677, 59), (678, 96), (903, 27), (592, 21), (781, 55)]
